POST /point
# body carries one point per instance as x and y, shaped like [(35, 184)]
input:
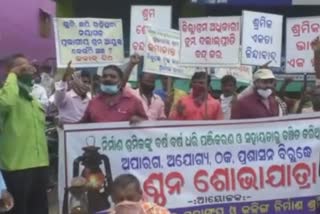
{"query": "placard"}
[(143, 15), (300, 33), (88, 42), (242, 74), (162, 54), (210, 41), (261, 38)]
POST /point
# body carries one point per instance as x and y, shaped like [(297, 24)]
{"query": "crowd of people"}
[(81, 98)]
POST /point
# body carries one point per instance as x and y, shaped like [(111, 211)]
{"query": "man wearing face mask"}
[(260, 102), (113, 103), (23, 146), (199, 105), (152, 103), (127, 197)]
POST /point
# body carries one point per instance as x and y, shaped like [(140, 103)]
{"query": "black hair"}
[(228, 78), (123, 182), (115, 68), (201, 75), (9, 62)]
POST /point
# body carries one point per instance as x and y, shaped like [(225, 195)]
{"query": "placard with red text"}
[(210, 41), (141, 17), (300, 33)]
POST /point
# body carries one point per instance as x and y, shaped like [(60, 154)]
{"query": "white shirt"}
[(70, 105), (40, 93), (226, 105)]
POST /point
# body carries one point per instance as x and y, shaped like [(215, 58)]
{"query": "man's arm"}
[(134, 60), (60, 93), (9, 93), (162, 115), (178, 111), (61, 87)]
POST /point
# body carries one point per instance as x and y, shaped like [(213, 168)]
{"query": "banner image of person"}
[(143, 15), (88, 42), (250, 166), (300, 33), (261, 38), (162, 53), (209, 40)]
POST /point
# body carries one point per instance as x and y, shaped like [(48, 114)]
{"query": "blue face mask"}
[(109, 89)]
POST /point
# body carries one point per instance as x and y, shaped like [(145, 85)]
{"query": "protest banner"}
[(143, 15), (88, 42), (300, 33), (261, 38), (242, 74), (162, 54), (210, 40), (250, 166)]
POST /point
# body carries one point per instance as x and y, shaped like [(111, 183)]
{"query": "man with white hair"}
[(260, 102)]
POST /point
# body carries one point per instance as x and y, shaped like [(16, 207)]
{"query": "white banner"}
[(88, 42), (242, 74), (141, 17), (250, 166), (162, 54), (261, 38), (210, 41), (300, 33)]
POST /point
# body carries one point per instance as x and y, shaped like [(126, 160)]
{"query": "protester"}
[(23, 148), (259, 103), (198, 105), (113, 103), (229, 95), (127, 197), (170, 98), (152, 103), (73, 103), (6, 199), (39, 92)]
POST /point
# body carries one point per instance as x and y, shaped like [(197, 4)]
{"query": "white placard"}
[(88, 42), (210, 41), (162, 54), (300, 33), (143, 15), (261, 38), (242, 74)]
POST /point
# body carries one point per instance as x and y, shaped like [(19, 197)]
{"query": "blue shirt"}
[(2, 184)]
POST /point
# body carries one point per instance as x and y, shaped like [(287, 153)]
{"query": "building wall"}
[(19, 29)]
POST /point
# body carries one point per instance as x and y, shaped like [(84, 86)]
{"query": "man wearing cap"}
[(260, 102)]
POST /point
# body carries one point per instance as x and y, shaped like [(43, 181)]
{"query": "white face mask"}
[(264, 93)]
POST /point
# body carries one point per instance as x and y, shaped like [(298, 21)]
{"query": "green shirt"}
[(22, 140)]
